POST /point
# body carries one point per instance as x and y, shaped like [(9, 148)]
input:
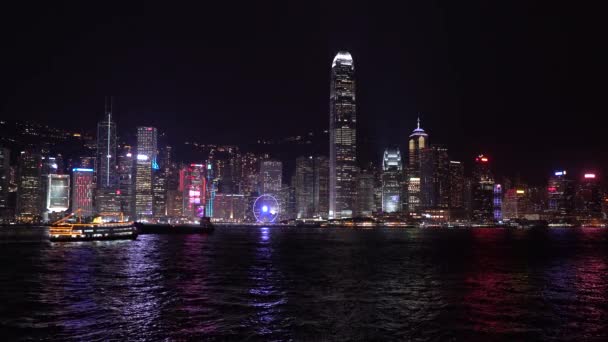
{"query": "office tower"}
[(194, 187), (271, 175), (83, 186), (434, 177), (58, 193), (229, 208), (560, 196), (392, 181), (4, 182), (159, 193), (304, 187), (287, 201), (498, 202), (589, 197), (482, 189), (175, 203), (342, 137), (364, 200), (146, 157), (515, 204), (249, 170), (418, 141), (29, 195), (211, 187), (106, 151), (126, 182), (320, 196), (457, 190)]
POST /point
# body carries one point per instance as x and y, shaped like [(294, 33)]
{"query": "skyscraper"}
[(146, 157), (364, 200), (106, 151), (58, 193), (320, 196), (106, 195), (482, 191), (83, 186), (392, 181), (560, 195), (4, 181), (194, 190), (434, 177), (29, 192), (589, 197), (126, 182), (457, 190), (271, 175), (418, 141), (342, 137), (304, 187)]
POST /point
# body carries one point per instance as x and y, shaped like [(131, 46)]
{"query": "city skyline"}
[(475, 94)]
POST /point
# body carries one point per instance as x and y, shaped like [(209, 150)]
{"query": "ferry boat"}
[(96, 230)]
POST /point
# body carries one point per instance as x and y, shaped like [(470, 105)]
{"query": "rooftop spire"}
[(109, 103), (418, 121)]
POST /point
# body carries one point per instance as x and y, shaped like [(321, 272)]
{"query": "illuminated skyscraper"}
[(320, 195), (392, 181), (4, 181), (482, 191), (589, 197), (434, 177), (194, 190), (106, 195), (126, 182), (304, 187), (83, 186), (271, 175), (364, 200), (58, 193), (145, 161), (29, 191), (418, 141), (106, 151), (560, 196), (457, 190), (342, 137)]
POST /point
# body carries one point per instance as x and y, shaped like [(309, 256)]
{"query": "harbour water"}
[(258, 283)]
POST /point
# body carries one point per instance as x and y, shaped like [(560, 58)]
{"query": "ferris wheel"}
[(266, 209)]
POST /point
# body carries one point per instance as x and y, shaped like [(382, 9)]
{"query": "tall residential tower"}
[(342, 137)]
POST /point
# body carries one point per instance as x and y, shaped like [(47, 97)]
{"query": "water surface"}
[(311, 284)]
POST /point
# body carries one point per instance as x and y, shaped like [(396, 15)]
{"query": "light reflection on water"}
[(273, 283)]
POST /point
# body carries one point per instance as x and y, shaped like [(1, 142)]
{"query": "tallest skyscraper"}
[(342, 137)]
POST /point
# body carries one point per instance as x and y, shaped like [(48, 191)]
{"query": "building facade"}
[(29, 190), (83, 187), (482, 191), (342, 137), (146, 156), (392, 181), (417, 143)]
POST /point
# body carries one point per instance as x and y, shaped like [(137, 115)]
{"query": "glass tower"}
[(146, 158), (342, 137), (106, 151), (392, 176)]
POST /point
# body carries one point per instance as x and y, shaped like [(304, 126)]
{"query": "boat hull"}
[(173, 229), (93, 233)]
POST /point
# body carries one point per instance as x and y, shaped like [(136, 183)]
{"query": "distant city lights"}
[(589, 175), (560, 173)]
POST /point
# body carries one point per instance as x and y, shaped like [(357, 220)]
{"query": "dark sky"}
[(523, 81)]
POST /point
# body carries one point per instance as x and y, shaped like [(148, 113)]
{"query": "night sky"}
[(523, 81)]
